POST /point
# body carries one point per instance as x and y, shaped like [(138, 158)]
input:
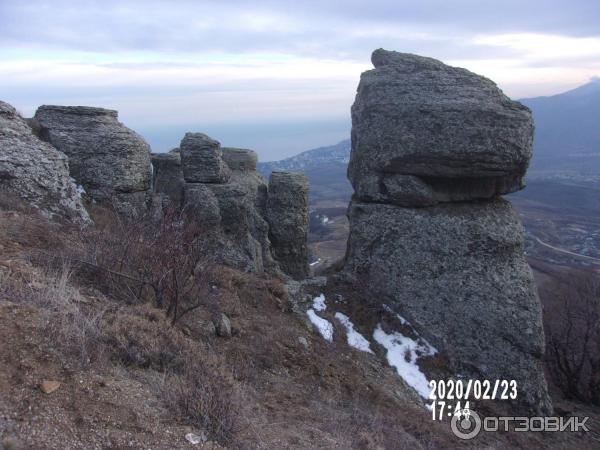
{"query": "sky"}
[(275, 76)]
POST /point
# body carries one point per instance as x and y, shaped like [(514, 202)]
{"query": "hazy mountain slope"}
[(567, 139), (325, 167), (567, 146)]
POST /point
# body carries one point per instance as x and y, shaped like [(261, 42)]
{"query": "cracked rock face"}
[(108, 159), (35, 171), (424, 133), (433, 148)]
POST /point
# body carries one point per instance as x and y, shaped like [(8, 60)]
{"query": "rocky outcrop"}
[(287, 214), (202, 160), (167, 176), (240, 159), (433, 147), (108, 159), (424, 133), (34, 171), (230, 203)]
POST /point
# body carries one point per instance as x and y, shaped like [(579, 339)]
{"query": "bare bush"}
[(572, 323), (205, 396), (141, 259)]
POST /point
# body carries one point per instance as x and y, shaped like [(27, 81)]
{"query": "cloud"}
[(218, 62)]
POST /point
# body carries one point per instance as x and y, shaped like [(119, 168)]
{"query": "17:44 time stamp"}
[(452, 397)]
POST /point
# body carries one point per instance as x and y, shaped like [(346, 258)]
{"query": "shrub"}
[(572, 325)]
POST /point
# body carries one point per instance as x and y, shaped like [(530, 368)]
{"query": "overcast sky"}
[(276, 76)]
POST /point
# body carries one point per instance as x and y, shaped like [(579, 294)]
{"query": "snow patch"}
[(315, 263), (319, 303), (355, 339), (402, 353), (324, 326)]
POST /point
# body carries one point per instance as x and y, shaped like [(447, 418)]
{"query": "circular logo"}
[(466, 424)]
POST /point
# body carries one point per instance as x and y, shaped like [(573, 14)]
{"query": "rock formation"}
[(221, 191), (167, 176), (35, 171), (433, 147), (425, 133), (202, 160), (287, 213), (108, 159)]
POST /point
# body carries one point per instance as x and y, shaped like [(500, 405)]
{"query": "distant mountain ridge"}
[(332, 154), (567, 143)]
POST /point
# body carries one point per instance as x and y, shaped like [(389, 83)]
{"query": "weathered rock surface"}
[(35, 171), (240, 158), (287, 214), (424, 132), (230, 203), (432, 149), (459, 272), (167, 176), (108, 159), (202, 160)]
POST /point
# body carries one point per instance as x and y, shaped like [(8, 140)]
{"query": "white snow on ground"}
[(402, 353), (324, 326), (319, 303), (355, 339), (80, 190), (315, 263)]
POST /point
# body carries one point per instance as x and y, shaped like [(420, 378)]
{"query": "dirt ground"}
[(130, 380)]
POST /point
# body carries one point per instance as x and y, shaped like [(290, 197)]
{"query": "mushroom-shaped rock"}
[(424, 132)]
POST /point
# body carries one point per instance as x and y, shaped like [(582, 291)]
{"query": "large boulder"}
[(424, 132), (287, 214), (108, 159), (433, 147), (202, 159), (459, 273), (34, 171)]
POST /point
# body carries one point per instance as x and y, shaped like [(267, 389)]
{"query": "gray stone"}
[(167, 176), (435, 133), (105, 157), (287, 214), (34, 171), (201, 205), (458, 273), (240, 159), (202, 160), (432, 149), (223, 326)]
